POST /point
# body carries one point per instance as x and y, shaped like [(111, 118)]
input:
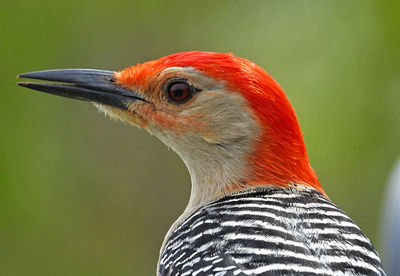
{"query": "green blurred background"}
[(83, 195)]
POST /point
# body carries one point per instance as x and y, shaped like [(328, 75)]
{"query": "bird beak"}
[(91, 85)]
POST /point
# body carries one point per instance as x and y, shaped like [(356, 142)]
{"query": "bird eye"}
[(179, 91)]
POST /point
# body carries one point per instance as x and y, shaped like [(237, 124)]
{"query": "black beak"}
[(97, 86)]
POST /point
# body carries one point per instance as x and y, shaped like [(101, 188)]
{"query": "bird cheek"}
[(171, 121)]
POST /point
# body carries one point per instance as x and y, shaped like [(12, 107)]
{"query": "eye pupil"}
[(179, 91)]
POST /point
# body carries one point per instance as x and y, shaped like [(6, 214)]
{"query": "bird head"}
[(227, 119)]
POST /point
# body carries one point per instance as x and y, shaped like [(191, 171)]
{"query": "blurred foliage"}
[(83, 195)]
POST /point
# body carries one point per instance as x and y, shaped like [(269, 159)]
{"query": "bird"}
[(256, 206)]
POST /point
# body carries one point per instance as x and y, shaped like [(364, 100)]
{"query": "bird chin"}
[(126, 116)]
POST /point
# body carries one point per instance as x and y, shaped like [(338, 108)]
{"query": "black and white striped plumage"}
[(269, 231)]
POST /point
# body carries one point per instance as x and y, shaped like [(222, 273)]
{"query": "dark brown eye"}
[(179, 91)]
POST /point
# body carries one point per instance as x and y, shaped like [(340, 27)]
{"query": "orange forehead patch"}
[(137, 76)]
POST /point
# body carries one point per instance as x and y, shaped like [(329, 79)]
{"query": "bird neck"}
[(231, 169)]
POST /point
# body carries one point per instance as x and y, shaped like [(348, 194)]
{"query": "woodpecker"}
[(256, 206)]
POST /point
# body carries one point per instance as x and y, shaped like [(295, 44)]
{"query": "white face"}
[(213, 131)]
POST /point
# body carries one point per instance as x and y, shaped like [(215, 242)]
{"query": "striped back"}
[(269, 231)]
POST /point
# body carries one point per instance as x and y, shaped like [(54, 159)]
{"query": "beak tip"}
[(23, 76), (23, 84)]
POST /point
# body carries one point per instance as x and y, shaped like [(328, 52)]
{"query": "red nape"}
[(280, 156)]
